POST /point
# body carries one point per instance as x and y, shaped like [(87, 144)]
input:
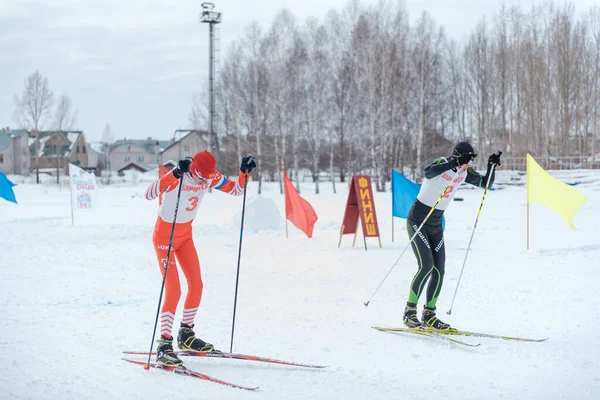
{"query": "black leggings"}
[(430, 251)]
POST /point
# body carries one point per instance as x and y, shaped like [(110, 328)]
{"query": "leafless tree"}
[(107, 141), (368, 90), (65, 117), (33, 109), (426, 56)]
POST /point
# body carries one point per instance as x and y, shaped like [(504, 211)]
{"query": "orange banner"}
[(360, 205)]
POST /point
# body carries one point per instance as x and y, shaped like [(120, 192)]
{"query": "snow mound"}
[(261, 214)]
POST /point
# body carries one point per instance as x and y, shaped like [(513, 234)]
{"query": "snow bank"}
[(261, 214)]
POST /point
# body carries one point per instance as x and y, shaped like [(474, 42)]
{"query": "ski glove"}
[(248, 164), (463, 159), (183, 166), (495, 159)]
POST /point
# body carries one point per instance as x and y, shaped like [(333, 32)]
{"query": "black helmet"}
[(463, 148)]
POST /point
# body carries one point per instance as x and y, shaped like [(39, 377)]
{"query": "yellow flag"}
[(544, 189)]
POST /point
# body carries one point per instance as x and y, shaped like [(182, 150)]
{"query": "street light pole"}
[(211, 18)]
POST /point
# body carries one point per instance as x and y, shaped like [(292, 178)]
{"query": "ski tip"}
[(366, 303)]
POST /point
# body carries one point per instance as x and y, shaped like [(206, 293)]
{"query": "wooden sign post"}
[(361, 205)]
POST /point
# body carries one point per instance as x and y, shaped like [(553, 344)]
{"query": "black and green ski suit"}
[(428, 245)]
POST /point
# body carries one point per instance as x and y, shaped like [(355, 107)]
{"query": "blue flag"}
[(404, 193), (6, 191)]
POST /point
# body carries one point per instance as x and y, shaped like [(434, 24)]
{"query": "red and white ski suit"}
[(183, 249)]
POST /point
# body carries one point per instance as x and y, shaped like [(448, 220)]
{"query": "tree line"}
[(365, 90), (36, 110)]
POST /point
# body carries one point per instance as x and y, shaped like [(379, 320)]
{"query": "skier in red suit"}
[(199, 174)]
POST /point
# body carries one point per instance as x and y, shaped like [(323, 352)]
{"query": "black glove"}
[(248, 164), (495, 159), (463, 159), (183, 166)]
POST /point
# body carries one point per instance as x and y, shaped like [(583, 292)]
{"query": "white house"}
[(187, 145), (14, 152)]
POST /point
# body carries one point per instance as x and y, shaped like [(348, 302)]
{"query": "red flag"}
[(298, 210), (162, 171)]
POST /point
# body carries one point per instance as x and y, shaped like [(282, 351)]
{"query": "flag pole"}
[(528, 219), (392, 206), (71, 195), (527, 194), (286, 203)]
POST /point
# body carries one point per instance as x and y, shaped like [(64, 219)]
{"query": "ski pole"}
[(441, 196), (237, 278), (162, 286), (449, 312)]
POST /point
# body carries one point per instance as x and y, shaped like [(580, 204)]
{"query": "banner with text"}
[(83, 188), (360, 205)]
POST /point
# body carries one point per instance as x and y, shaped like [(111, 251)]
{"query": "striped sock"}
[(166, 323), (188, 316)]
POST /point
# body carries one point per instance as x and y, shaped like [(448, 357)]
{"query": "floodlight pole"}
[(211, 18)]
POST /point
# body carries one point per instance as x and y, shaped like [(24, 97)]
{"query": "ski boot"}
[(410, 317), (164, 353), (187, 340), (430, 321)]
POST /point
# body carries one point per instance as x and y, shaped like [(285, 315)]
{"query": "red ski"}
[(234, 356), (184, 371)]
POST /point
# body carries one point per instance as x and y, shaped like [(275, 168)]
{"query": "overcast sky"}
[(135, 63)]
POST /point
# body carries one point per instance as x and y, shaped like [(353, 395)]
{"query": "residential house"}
[(93, 158), (187, 145), (14, 152), (141, 155), (57, 149)]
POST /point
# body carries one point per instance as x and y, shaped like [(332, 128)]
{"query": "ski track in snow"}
[(72, 298)]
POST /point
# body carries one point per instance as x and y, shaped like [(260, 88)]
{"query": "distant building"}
[(145, 155), (187, 145), (141, 155), (57, 149), (14, 152)]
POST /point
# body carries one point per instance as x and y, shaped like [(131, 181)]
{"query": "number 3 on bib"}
[(193, 203)]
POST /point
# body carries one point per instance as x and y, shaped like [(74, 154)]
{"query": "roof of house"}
[(146, 144), (44, 136), (138, 165), (174, 142), (98, 147), (6, 136)]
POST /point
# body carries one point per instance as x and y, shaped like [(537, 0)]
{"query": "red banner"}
[(360, 204)]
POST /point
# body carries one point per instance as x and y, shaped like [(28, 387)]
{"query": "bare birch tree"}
[(107, 141), (33, 109), (65, 117)]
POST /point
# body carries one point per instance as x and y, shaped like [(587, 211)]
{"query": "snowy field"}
[(72, 298)]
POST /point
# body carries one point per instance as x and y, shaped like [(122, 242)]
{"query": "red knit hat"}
[(204, 165)]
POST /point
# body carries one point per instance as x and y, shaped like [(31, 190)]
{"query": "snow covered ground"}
[(72, 298)]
